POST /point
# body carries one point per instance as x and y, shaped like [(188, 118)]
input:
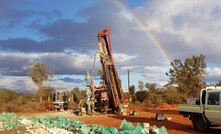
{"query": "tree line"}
[(188, 76), (186, 80), (11, 101)]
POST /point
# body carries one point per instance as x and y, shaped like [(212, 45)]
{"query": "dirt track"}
[(178, 124)]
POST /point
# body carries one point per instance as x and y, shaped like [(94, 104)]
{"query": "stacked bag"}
[(60, 125)]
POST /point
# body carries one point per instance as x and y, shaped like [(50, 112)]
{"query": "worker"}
[(88, 93), (121, 108), (130, 98), (106, 104), (49, 103), (88, 107), (83, 111), (92, 105)]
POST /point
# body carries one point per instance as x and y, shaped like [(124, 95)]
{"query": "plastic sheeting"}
[(55, 125), (9, 120)]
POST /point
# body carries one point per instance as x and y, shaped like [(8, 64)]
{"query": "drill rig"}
[(112, 82)]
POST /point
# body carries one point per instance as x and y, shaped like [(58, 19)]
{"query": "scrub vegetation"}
[(188, 78)]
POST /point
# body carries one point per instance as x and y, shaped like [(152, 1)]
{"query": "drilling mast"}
[(111, 78)]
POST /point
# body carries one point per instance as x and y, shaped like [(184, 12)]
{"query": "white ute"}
[(204, 111)]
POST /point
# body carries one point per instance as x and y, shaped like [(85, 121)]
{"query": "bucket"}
[(135, 113)]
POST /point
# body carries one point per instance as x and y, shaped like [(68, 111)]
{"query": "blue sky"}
[(63, 35)]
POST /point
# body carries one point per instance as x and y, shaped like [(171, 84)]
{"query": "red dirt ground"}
[(178, 124)]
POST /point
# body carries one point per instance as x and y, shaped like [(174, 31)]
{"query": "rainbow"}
[(142, 25)]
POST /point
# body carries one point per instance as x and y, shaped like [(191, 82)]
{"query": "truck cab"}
[(60, 100), (212, 105), (204, 111)]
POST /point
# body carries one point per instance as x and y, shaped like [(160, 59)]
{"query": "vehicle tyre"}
[(200, 125), (194, 120)]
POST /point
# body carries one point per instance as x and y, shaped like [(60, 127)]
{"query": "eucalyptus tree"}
[(39, 74), (189, 75)]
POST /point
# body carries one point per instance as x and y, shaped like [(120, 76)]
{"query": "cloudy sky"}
[(146, 36)]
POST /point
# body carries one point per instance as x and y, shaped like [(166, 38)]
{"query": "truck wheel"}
[(200, 125), (194, 121)]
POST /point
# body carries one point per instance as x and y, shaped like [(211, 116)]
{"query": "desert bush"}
[(132, 94), (76, 94), (19, 107), (154, 99), (127, 95), (137, 103), (34, 107), (10, 107), (141, 95), (24, 98), (172, 96), (7, 96), (46, 92), (10, 101)]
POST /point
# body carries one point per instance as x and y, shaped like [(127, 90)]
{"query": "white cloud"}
[(152, 74), (120, 57), (215, 71), (58, 62), (156, 69), (182, 28), (214, 75), (60, 84), (125, 68), (155, 74), (24, 83), (21, 63), (19, 83), (198, 22)]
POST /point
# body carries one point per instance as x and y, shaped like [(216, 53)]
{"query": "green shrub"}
[(141, 95), (154, 100)]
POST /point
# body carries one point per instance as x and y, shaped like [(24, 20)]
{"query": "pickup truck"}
[(204, 111)]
